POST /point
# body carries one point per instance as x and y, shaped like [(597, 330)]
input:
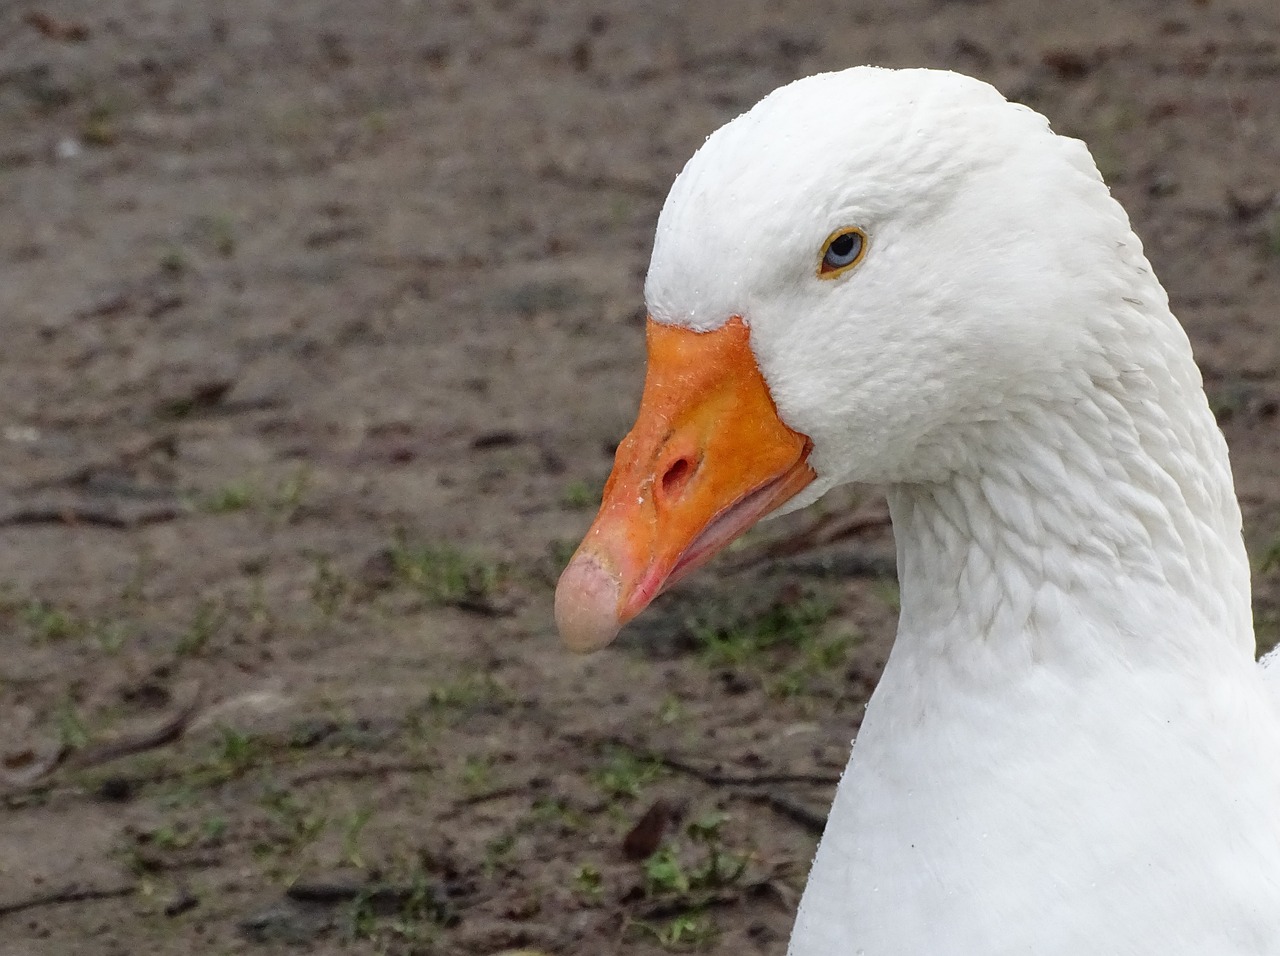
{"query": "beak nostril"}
[(676, 477)]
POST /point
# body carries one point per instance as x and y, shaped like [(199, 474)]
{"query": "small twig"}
[(70, 894), (675, 905), (91, 513), (823, 531), (794, 811), (361, 770), (743, 780), (499, 793), (488, 796), (339, 890), (744, 786), (381, 896), (163, 733), (712, 777), (161, 862), (95, 755)]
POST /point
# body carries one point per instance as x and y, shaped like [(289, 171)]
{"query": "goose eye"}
[(843, 250)]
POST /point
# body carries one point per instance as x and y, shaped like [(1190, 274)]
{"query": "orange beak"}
[(707, 458)]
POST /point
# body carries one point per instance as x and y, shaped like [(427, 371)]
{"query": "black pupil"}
[(841, 246)]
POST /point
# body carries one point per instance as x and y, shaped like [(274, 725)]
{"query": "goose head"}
[(849, 283)]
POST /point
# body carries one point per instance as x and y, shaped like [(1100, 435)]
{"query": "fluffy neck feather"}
[(1075, 649), (1098, 523)]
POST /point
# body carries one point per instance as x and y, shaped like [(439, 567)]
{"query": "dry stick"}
[(674, 906), (711, 777), (745, 780), (342, 891), (170, 730), (488, 796), (782, 805), (83, 512), (794, 811), (357, 771), (70, 894), (338, 890), (825, 530), (163, 733)]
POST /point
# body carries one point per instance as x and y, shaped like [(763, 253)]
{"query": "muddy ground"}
[(320, 322)]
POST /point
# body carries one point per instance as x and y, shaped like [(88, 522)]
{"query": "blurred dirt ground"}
[(320, 322)]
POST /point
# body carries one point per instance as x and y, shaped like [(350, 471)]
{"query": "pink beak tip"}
[(587, 605)]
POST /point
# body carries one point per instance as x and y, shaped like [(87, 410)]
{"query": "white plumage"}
[(1072, 750)]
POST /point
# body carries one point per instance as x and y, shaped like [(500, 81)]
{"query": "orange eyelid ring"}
[(707, 457), (833, 263)]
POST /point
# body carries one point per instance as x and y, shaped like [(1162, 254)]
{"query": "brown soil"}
[(321, 320)]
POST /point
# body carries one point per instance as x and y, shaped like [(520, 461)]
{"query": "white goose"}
[(901, 278)]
